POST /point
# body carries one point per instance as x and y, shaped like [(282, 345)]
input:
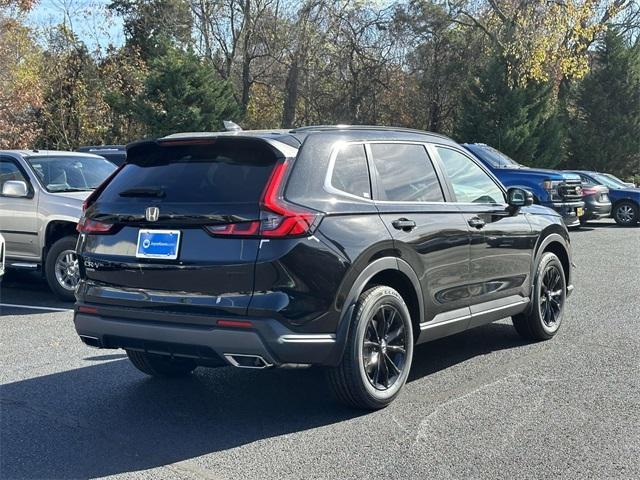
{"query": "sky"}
[(90, 19)]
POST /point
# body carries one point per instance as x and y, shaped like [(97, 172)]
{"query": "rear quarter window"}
[(350, 171)]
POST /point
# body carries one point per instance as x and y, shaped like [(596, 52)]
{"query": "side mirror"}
[(15, 188), (518, 197)]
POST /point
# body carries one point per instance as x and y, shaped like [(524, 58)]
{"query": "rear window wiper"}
[(143, 192)]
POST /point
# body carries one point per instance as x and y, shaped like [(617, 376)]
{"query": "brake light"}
[(86, 225), (234, 323), (278, 218)]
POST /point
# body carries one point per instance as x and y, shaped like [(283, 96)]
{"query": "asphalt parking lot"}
[(482, 404)]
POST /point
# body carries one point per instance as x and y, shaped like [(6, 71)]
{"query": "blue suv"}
[(625, 199), (560, 191)]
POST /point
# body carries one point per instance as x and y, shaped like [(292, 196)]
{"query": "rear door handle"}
[(404, 224), (476, 222)]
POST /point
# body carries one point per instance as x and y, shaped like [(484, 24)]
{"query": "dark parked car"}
[(333, 246), (596, 202), (114, 153), (561, 191), (625, 200)]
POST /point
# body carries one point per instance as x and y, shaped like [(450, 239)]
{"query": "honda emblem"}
[(152, 214)]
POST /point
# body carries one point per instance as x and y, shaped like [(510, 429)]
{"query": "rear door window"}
[(350, 171), (217, 174), (405, 173)]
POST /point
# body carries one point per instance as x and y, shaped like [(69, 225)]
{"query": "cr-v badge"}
[(152, 214)]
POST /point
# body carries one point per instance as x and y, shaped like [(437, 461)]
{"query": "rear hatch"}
[(177, 227)]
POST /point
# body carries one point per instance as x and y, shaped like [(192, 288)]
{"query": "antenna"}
[(230, 126)]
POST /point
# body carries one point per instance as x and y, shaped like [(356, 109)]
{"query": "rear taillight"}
[(86, 225), (278, 218), (589, 191), (242, 229)]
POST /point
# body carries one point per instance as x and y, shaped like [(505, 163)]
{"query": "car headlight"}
[(551, 185)]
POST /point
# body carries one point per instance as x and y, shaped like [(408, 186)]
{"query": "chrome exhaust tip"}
[(241, 360)]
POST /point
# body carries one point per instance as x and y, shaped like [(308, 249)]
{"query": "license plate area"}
[(162, 244), (579, 211)]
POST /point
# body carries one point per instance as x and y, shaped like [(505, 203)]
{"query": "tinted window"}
[(470, 183), (68, 174), (9, 171), (405, 173), (350, 172), (494, 157), (195, 174)]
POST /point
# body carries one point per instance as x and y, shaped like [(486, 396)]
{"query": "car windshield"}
[(496, 158), (615, 179), (71, 173), (608, 181)]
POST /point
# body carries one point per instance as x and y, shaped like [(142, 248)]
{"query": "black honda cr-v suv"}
[(334, 246)]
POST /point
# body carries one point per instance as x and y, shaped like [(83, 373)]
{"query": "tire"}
[(58, 251), (625, 214), (161, 365), (544, 318), (380, 312)]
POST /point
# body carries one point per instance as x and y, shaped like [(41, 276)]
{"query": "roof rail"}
[(312, 128)]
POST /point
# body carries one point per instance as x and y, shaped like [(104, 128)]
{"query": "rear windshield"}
[(71, 174), (194, 174)]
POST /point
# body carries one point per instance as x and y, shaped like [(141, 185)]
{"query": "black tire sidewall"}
[(381, 295), (538, 324), (65, 243)]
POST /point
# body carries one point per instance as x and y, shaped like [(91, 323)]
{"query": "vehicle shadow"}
[(107, 418), (431, 357), (27, 288), (599, 225)]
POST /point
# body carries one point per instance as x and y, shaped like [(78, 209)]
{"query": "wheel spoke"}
[(396, 349), (393, 336), (376, 379), (371, 344), (393, 365), (385, 368)]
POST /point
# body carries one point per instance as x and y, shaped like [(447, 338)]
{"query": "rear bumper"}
[(597, 210), (208, 344)]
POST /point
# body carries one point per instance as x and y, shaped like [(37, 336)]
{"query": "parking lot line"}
[(33, 307)]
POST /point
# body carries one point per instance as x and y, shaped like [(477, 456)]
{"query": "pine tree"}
[(183, 94), (519, 121), (606, 135)]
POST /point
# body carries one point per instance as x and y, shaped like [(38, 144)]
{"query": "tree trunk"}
[(290, 94), (246, 56)]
